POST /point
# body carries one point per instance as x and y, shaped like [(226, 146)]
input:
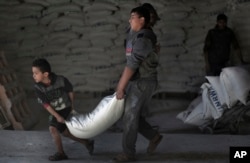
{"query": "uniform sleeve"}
[(68, 85), (141, 48)]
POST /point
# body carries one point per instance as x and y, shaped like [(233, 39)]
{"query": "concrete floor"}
[(181, 143), (36, 146)]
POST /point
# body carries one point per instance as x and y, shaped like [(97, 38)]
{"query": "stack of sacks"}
[(107, 112), (224, 91), (235, 84), (194, 113), (204, 108), (232, 85)]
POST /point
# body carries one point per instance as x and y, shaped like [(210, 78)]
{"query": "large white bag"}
[(196, 117), (235, 81), (216, 84), (184, 114), (212, 107), (106, 113), (193, 115)]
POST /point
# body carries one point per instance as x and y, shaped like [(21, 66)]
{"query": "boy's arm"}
[(54, 113), (123, 82), (141, 48), (45, 103)]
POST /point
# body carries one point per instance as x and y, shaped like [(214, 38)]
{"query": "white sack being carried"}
[(106, 113)]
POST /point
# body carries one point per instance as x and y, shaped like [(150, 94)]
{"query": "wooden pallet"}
[(20, 109), (4, 122)]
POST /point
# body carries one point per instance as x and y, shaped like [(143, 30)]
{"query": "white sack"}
[(212, 107), (216, 84), (236, 83), (106, 113), (184, 114), (196, 116)]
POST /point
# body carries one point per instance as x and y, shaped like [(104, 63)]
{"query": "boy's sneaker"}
[(154, 143), (58, 156)]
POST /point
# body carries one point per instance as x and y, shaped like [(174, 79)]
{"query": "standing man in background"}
[(217, 47)]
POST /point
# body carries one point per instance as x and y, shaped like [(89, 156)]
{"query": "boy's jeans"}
[(138, 95)]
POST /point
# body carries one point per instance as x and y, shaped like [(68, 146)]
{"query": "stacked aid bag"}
[(220, 93)]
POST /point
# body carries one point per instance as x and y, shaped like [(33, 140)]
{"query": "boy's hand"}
[(60, 119), (119, 94)]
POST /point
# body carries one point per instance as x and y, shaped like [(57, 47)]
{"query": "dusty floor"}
[(36, 146), (181, 143)]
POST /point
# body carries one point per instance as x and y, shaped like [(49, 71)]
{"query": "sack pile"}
[(222, 92)]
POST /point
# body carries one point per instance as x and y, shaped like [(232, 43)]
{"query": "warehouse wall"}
[(83, 39)]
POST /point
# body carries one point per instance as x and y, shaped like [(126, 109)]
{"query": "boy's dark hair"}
[(222, 17), (151, 9), (42, 64), (142, 12)]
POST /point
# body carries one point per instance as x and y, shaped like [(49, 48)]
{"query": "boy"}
[(55, 93), (153, 20), (139, 81)]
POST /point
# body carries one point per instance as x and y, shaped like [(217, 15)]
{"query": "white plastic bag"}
[(184, 114), (212, 106), (106, 113), (196, 117), (216, 84), (193, 115), (235, 81)]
